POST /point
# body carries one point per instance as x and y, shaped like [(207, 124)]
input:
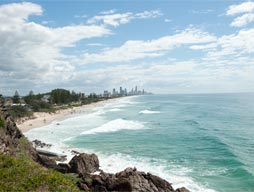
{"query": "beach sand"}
[(40, 119)]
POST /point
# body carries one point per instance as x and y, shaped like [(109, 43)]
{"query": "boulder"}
[(64, 167), (47, 162), (142, 182), (84, 164), (38, 143), (160, 183), (130, 180), (83, 186), (182, 189)]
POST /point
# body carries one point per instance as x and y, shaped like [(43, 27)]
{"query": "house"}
[(45, 98)]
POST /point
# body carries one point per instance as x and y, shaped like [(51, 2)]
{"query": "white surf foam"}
[(116, 125), (148, 112), (115, 110), (177, 175)]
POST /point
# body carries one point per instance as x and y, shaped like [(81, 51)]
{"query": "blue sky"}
[(162, 46)]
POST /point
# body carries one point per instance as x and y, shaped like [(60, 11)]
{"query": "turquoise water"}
[(202, 142)]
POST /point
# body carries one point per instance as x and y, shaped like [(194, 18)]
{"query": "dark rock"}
[(120, 184), (75, 152), (160, 183), (83, 186), (38, 143), (98, 188), (182, 189), (47, 162), (84, 164), (132, 180), (97, 180), (64, 167)]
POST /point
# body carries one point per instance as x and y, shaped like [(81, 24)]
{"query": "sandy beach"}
[(40, 119)]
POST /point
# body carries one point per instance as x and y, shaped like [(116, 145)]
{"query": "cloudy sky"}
[(162, 46)]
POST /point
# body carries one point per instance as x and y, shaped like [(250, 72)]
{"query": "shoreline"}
[(40, 119)]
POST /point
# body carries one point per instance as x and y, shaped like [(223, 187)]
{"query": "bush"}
[(2, 122), (19, 111)]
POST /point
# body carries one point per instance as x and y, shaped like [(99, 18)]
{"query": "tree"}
[(16, 98)]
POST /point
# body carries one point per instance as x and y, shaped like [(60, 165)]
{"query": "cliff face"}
[(18, 163), (12, 140)]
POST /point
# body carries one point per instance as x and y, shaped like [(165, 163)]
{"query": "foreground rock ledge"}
[(129, 180)]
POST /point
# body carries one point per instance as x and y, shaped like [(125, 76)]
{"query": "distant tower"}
[(121, 91), (114, 91), (136, 89)]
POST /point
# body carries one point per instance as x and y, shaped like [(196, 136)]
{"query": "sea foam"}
[(116, 125), (148, 112), (115, 110)]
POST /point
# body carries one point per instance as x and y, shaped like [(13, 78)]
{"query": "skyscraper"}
[(136, 89)]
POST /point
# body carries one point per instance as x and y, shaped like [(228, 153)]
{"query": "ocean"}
[(204, 142)]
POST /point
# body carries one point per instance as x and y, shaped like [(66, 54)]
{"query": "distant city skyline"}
[(163, 46)]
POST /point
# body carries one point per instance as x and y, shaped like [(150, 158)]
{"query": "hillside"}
[(19, 169)]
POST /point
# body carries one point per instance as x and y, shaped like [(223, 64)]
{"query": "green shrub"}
[(19, 111), (2, 122)]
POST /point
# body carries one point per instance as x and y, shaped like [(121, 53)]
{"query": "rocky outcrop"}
[(129, 180), (182, 189), (40, 144), (84, 164), (11, 138)]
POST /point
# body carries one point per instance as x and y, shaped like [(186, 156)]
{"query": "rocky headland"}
[(84, 169)]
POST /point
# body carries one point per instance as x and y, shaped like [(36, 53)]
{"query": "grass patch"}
[(2, 123), (20, 173)]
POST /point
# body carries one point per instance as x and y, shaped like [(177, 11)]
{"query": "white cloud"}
[(116, 19), (246, 7), (138, 49), (169, 76), (235, 45), (19, 11), (111, 11), (167, 20), (96, 44), (247, 11), (32, 57), (148, 14), (243, 20), (204, 47), (30, 51), (206, 11), (46, 22)]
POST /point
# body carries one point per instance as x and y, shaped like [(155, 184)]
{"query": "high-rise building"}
[(121, 91), (136, 89), (114, 92)]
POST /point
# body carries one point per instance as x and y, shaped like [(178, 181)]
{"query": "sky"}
[(162, 46)]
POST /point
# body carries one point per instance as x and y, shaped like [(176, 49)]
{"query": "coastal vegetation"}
[(21, 173), (19, 170), (50, 102)]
